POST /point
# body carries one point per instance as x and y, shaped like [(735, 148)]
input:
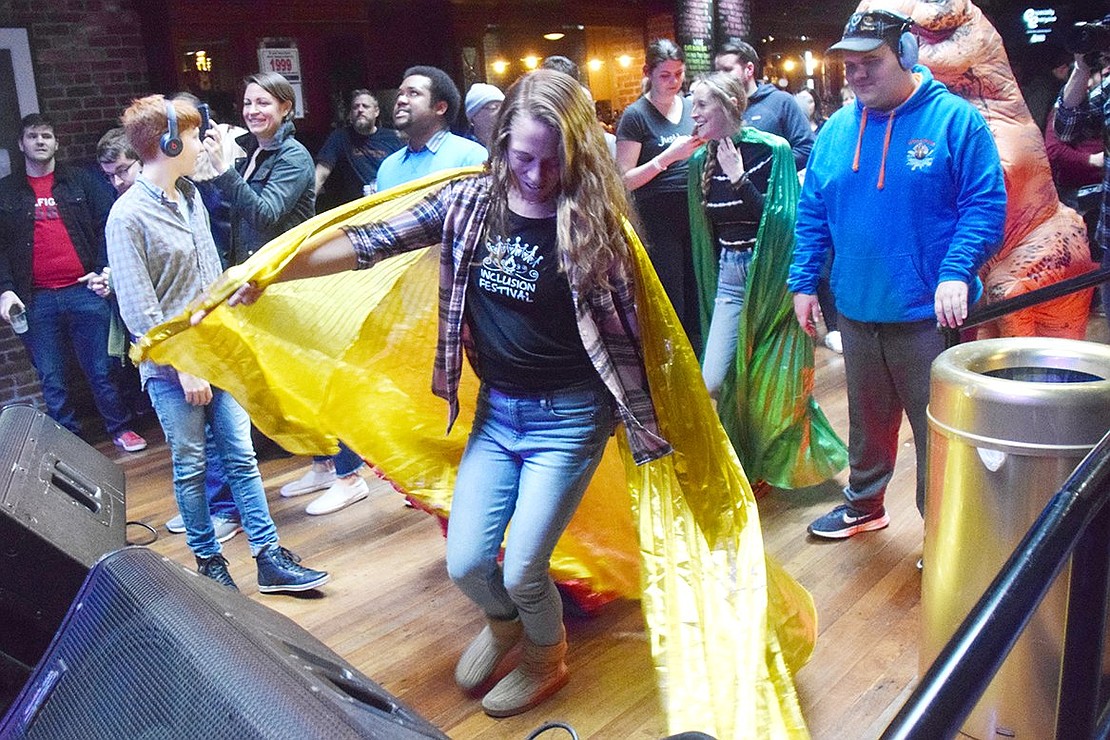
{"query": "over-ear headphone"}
[(906, 49), (170, 143)]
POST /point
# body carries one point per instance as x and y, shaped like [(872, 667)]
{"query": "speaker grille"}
[(151, 650)]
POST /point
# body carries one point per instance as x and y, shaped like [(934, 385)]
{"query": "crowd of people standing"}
[(750, 259)]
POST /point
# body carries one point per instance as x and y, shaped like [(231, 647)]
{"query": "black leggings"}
[(665, 218)]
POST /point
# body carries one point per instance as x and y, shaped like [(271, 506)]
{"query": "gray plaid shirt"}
[(162, 257)]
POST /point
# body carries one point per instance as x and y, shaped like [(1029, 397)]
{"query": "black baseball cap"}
[(870, 30)]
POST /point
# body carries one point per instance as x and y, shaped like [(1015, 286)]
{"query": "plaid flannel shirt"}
[(454, 217), (1087, 121)]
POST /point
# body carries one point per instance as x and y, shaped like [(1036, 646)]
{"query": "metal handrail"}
[(1076, 520), (982, 313)]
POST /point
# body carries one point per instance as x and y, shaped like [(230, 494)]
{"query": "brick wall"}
[(620, 85), (89, 64), (661, 27), (18, 383)]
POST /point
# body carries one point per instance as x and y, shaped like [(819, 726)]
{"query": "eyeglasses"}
[(124, 169)]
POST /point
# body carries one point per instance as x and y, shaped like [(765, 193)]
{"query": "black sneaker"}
[(280, 570), (215, 568), (845, 521)]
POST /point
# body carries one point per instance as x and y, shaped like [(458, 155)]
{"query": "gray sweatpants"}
[(887, 372)]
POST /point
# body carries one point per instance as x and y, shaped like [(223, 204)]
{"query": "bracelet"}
[(740, 181), (658, 167)]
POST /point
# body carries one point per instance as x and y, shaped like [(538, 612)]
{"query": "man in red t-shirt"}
[(51, 244)]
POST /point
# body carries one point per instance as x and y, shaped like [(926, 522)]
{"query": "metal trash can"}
[(1009, 420)]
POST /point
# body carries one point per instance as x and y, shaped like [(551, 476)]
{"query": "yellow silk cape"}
[(350, 356)]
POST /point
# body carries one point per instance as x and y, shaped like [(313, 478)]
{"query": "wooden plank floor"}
[(392, 612)]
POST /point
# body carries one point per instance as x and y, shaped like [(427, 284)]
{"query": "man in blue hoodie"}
[(905, 187)]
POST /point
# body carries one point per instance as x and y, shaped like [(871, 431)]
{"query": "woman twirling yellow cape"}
[(766, 401), (350, 356)]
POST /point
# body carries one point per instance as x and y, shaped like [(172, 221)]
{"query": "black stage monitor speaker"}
[(61, 509), (150, 649)]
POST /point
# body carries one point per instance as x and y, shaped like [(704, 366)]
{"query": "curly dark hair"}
[(443, 89)]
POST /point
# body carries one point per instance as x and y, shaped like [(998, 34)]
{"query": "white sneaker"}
[(833, 342), (225, 528), (313, 480), (340, 495)]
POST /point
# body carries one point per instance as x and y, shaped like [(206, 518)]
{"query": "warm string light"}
[(201, 61), (531, 61)]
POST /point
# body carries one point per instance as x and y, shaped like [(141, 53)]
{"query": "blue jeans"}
[(216, 490), (184, 425), (346, 461), (528, 460), (724, 328), (78, 317)]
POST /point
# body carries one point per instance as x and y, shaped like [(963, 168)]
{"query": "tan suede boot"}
[(479, 661), (540, 674)]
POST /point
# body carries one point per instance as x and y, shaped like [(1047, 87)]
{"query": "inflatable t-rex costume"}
[(1044, 241)]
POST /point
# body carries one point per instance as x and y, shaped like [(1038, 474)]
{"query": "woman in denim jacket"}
[(271, 190)]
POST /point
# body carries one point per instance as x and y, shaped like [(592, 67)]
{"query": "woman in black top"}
[(653, 143)]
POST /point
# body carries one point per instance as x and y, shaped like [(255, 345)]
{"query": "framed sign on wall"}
[(18, 95), (286, 61)]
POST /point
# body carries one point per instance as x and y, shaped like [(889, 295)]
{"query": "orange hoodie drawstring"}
[(859, 140), (886, 146)]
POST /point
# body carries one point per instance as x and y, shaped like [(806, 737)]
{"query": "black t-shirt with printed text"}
[(521, 314)]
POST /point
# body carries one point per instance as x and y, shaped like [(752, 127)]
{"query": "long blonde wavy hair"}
[(728, 92), (592, 198)]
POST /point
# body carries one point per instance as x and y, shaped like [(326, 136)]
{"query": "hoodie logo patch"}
[(920, 154)]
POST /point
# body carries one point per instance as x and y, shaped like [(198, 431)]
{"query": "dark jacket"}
[(279, 195), (777, 112), (83, 205)]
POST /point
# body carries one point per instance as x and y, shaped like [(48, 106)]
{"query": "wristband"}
[(658, 167)]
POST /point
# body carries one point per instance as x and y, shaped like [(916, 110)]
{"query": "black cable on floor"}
[(149, 541), (551, 726)]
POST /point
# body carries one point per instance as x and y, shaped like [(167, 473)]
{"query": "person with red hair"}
[(162, 255)]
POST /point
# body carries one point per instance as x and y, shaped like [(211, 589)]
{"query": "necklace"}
[(669, 113)]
